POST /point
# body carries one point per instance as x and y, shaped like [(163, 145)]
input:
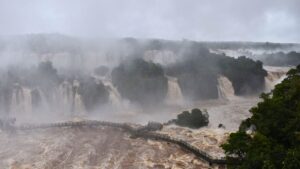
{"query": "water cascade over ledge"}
[(225, 88), (275, 76), (174, 94)]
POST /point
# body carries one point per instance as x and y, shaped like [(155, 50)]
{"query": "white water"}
[(21, 100), (174, 95), (62, 101), (114, 95), (117, 107), (225, 88), (44, 101), (79, 108), (66, 92), (272, 79), (162, 57), (275, 76)]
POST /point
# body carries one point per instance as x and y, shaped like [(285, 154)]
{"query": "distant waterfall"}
[(78, 106), (272, 79), (114, 95), (27, 100), (66, 92), (64, 99), (43, 102), (21, 101), (174, 94), (275, 76), (71, 100), (225, 88)]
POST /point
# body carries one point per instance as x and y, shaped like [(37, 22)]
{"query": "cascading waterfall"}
[(27, 100), (43, 100), (64, 99), (225, 88), (66, 93), (114, 95), (174, 94), (21, 101), (78, 106), (272, 79), (275, 76)]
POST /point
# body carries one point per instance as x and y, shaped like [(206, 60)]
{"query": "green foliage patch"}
[(195, 119), (275, 143)]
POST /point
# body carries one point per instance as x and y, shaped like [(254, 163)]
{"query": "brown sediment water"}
[(99, 147)]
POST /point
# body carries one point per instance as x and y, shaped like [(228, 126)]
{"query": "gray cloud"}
[(225, 20)]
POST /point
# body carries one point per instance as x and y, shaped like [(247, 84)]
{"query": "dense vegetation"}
[(281, 59), (246, 75), (195, 119), (93, 94), (197, 73), (275, 142), (140, 81)]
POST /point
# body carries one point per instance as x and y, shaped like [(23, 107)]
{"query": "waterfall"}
[(15, 100), (275, 76), (272, 79), (21, 101), (66, 94), (43, 100), (174, 94), (60, 100), (114, 95), (27, 100), (225, 88), (78, 106), (69, 100)]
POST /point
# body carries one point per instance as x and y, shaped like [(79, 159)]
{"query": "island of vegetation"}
[(194, 119)]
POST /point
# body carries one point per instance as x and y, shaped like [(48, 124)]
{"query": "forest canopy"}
[(275, 122)]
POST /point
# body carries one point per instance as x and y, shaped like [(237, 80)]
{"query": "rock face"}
[(140, 81), (93, 94), (100, 147)]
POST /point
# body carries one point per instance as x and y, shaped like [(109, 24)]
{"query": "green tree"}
[(275, 142), (195, 119)]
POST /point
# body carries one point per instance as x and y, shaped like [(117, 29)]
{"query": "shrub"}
[(195, 119)]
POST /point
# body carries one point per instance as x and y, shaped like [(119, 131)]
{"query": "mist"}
[(56, 77), (204, 20), (116, 84)]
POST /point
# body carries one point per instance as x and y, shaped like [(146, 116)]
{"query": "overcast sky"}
[(214, 20)]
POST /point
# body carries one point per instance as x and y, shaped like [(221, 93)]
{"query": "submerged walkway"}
[(146, 132)]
